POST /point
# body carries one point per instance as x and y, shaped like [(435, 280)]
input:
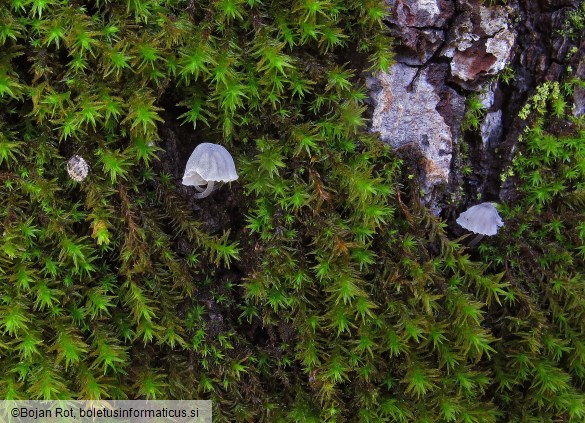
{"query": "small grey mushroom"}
[(482, 219), (77, 168), (209, 163)]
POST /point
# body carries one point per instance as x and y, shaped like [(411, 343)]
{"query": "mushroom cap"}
[(481, 219), (209, 162)]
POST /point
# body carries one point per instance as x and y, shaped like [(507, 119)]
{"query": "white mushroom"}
[(482, 219), (209, 163)]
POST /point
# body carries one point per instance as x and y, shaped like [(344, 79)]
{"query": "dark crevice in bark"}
[(534, 58)]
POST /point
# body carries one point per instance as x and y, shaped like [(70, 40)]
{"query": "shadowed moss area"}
[(313, 288)]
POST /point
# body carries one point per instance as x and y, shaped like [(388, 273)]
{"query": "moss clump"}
[(332, 295), (541, 366)]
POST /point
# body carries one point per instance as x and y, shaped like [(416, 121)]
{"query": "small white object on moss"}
[(209, 163), (77, 168), (482, 219)]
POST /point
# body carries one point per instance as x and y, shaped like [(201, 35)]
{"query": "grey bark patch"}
[(579, 94), (491, 129), (406, 113), (421, 13)]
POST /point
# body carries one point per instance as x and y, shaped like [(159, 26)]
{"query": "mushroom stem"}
[(208, 190), (200, 188), (476, 240)]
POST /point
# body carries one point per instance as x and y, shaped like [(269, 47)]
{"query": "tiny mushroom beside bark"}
[(209, 163), (482, 219)]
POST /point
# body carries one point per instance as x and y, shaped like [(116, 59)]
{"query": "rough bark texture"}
[(447, 50), (412, 110)]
